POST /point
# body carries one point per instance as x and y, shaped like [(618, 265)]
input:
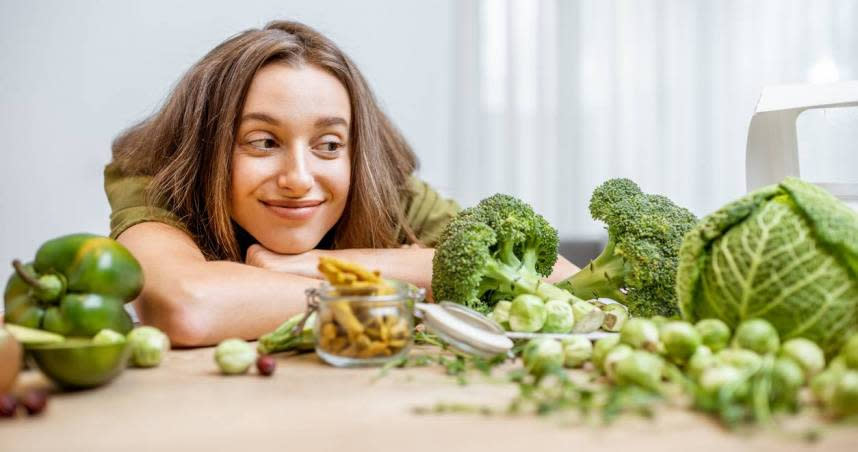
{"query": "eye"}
[(263, 143), (329, 147)]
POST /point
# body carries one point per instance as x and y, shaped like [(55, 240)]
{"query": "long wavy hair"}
[(186, 147)]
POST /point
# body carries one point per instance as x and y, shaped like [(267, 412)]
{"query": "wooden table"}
[(186, 405)]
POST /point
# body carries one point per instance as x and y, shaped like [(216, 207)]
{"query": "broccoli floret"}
[(496, 250), (639, 263)]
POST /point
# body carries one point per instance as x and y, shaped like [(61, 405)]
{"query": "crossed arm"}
[(198, 302)]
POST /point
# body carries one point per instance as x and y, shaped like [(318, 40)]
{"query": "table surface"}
[(186, 405)]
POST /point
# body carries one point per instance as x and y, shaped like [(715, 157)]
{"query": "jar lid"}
[(465, 329)]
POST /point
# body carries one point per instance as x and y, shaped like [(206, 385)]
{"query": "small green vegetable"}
[(542, 355), (742, 359), (823, 385), (787, 376), (757, 335), (588, 317), (806, 354), (844, 401), (617, 354), (849, 352), (615, 317), (680, 340), (108, 336), (576, 351), (527, 313), (701, 360), (601, 349), (716, 377), (640, 368), (286, 339), (640, 333), (500, 314), (714, 334), (148, 346), (234, 356), (559, 317)]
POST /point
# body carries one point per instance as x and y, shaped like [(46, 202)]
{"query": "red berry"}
[(35, 401), (8, 405), (266, 364)]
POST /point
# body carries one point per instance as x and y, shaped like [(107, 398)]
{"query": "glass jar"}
[(363, 330)]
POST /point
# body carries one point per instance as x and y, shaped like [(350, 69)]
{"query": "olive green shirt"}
[(426, 211)]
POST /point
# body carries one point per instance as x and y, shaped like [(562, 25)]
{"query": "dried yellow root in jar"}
[(351, 278), (355, 328)]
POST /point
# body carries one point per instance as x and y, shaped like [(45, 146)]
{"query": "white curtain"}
[(553, 97)]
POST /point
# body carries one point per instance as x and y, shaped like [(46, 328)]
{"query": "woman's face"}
[(291, 161)]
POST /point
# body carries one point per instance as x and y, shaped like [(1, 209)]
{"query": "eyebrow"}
[(325, 121)]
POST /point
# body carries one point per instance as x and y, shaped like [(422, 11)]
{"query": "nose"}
[(295, 176)]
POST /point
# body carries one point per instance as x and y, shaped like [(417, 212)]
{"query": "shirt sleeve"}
[(427, 212), (127, 197)]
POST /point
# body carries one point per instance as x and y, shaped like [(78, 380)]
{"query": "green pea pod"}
[(77, 286)]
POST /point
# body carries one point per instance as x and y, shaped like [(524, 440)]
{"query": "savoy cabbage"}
[(787, 253)]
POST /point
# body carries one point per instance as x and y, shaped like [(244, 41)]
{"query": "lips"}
[(294, 210)]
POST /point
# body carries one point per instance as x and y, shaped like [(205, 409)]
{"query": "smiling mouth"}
[(293, 210)]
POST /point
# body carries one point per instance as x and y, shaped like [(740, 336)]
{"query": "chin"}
[(295, 245)]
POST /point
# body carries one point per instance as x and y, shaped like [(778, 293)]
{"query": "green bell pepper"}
[(77, 285)]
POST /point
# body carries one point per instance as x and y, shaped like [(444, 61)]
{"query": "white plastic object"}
[(772, 151)]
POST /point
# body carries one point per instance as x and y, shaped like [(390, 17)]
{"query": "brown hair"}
[(187, 145)]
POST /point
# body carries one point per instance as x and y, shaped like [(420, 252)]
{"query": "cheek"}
[(245, 178), (338, 181)]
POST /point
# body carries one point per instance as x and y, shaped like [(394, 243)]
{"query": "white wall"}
[(75, 73)]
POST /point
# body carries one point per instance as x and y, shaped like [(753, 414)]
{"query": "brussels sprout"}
[(541, 355), (849, 352), (576, 351), (823, 385), (527, 313), (588, 317), (500, 313), (701, 360), (558, 317), (617, 354), (108, 336), (640, 368), (741, 359), (806, 354), (615, 317), (640, 333), (601, 349), (148, 346), (838, 364), (714, 333), (787, 377), (757, 335), (680, 340), (844, 401), (716, 377), (234, 356)]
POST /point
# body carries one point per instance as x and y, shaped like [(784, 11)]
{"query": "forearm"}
[(211, 301)]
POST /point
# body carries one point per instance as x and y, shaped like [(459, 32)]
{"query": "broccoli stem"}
[(602, 278), (524, 283)]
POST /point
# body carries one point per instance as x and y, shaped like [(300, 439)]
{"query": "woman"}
[(270, 152)]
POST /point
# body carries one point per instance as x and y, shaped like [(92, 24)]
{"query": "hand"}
[(304, 264)]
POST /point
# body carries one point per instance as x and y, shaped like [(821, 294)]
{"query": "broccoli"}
[(494, 251), (639, 263)]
